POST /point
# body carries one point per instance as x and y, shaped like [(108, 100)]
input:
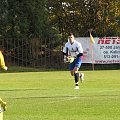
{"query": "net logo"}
[(109, 40)]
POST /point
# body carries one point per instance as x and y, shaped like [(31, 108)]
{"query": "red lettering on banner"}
[(114, 40), (101, 41), (118, 41), (107, 41)]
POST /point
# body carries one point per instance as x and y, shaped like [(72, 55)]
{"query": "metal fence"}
[(32, 52), (39, 53)]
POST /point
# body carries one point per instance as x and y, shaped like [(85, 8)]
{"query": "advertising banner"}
[(102, 51)]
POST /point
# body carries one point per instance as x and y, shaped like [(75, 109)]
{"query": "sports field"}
[(51, 96)]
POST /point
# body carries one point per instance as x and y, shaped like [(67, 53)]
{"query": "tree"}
[(108, 14), (79, 16), (3, 17), (26, 18)]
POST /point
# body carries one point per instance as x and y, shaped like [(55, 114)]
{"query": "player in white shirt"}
[(73, 53)]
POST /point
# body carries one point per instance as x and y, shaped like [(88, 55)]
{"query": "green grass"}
[(51, 96)]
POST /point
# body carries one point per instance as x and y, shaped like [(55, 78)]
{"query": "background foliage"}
[(23, 18), (41, 18), (103, 16)]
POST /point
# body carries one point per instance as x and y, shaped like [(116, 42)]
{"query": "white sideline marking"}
[(65, 99)]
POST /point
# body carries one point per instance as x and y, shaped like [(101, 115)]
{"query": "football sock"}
[(79, 74), (76, 84), (76, 77)]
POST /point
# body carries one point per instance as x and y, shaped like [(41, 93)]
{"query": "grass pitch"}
[(51, 96)]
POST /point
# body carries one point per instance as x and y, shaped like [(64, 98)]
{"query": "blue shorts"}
[(76, 63)]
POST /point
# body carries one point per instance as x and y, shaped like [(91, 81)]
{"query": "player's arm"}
[(65, 54), (79, 55), (80, 50)]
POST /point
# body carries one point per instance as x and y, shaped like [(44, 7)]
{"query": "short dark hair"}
[(70, 34)]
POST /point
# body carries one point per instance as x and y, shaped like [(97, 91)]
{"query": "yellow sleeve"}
[(2, 62)]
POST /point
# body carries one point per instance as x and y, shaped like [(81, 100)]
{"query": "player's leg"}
[(72, 65), (81, 77), (78, 63), (76, 77), (73, 71)]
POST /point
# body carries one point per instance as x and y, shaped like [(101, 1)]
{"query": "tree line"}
[(55, 18)]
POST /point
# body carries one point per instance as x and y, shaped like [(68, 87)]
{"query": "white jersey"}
[(73, 49)]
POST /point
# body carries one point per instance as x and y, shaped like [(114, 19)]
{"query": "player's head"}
[(71, 37)]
